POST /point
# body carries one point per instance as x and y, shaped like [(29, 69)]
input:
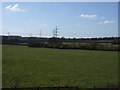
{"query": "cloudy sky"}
[(74, 19)]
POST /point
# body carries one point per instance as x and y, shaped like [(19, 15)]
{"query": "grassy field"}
[(33, 67)]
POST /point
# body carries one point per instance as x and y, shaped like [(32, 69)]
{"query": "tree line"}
[(60, 43)]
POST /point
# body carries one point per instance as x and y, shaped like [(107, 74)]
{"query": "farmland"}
[(32, 67)]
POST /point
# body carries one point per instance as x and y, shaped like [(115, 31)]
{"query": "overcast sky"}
[(74, 19)]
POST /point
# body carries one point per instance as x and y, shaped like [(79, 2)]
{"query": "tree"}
[(55, 42), (34, 42)]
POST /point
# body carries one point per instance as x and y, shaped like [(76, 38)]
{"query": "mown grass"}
[(43, 67)]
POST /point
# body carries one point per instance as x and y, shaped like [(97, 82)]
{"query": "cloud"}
[(106, 22), (102, 17), (89, 16), (15, 8)]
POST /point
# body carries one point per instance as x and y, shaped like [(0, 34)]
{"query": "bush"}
[(55, 42), (33, 42)]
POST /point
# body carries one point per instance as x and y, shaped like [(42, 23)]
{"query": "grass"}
[(44, 67)]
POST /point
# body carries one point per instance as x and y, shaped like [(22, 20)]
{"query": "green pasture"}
[(32, 67)]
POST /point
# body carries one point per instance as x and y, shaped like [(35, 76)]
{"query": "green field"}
[(33, 67)]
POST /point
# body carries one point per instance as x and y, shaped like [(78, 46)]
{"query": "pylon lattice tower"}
[(55, 32)]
